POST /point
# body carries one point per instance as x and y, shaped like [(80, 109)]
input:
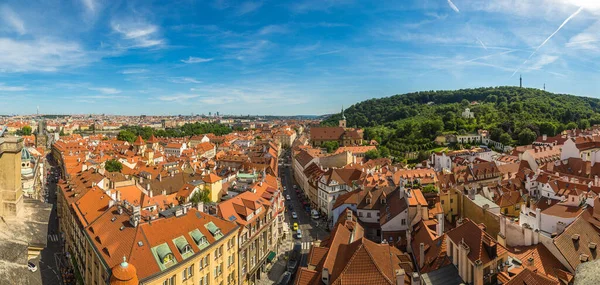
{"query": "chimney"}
[(400, 276), (118, 196), (150, 194), (415, 279), (421, 255), (544, 137), (148, 187), (159, 177), (325, 276), (164, 192), (530, 261), (348, 214), (440, 225)]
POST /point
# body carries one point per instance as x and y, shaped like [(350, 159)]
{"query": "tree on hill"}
[(409, 122), (113, 165), (372, 154)]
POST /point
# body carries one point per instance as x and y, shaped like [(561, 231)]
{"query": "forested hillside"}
[(513, 115)]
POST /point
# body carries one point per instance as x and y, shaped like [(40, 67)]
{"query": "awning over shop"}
[(271, 256)]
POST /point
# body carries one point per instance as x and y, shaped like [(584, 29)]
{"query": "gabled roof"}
[(574, 243), (474, 237)]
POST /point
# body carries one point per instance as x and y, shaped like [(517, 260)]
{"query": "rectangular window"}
[(442, 202), (368, 215), (184, 275), (191, 271), (403, 222)]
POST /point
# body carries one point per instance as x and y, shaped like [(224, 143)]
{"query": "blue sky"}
[(283, 57)]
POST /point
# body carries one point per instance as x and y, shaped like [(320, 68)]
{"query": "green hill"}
[(513, 115)]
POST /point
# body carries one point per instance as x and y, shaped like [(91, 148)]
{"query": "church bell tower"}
[(343, 120)]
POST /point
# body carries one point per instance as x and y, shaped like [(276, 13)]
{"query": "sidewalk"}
[(279, 263)]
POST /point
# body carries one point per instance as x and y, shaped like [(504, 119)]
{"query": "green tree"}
[(571, 126), (384, 151), (331, 146), (113, 165), (26, 130), (372, 154), (547, 128), (201, 196), (526, 136), (126, 135), (505, 139), (429, 188), (583, 124)]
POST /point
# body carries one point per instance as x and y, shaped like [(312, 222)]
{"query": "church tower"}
[(343, 120)]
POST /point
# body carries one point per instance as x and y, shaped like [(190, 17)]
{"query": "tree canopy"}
[(130, 133), (113, 165)]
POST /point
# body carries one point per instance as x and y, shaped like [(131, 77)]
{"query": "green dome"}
[(25, 155)]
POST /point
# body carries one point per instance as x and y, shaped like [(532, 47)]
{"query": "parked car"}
[(285, 278), (295, 227), (31, 266), (287, 197), (294, 216), (298, 234)]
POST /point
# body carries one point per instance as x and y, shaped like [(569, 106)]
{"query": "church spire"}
[(343, 116)]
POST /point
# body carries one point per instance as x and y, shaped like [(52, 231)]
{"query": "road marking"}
[(53, 237), (306, 245)]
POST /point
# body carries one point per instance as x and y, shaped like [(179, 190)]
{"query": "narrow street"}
[(50, 256), (308, 226)]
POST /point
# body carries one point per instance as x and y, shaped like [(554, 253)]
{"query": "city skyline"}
[(283, 58)]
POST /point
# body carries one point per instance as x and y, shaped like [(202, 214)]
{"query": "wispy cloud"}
[(177, 97), (90, 5), (451, 4), (105, 90), (12, 19), (134, 71), (192, 59), (481, 43), (273, 29), (548, 38), (542, 61), (249, 50), (184, 80), (248, 7), (5, 88), (586, 40), (45, 55), (138, 33), (303, 6)]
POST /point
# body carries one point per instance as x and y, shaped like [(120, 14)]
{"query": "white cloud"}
[(134, 71), (12, 19), (192, 59), (273, 29), (177, 97), (138, 33), (41, 55), (105, 90), (184, 80), (5, 88)]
